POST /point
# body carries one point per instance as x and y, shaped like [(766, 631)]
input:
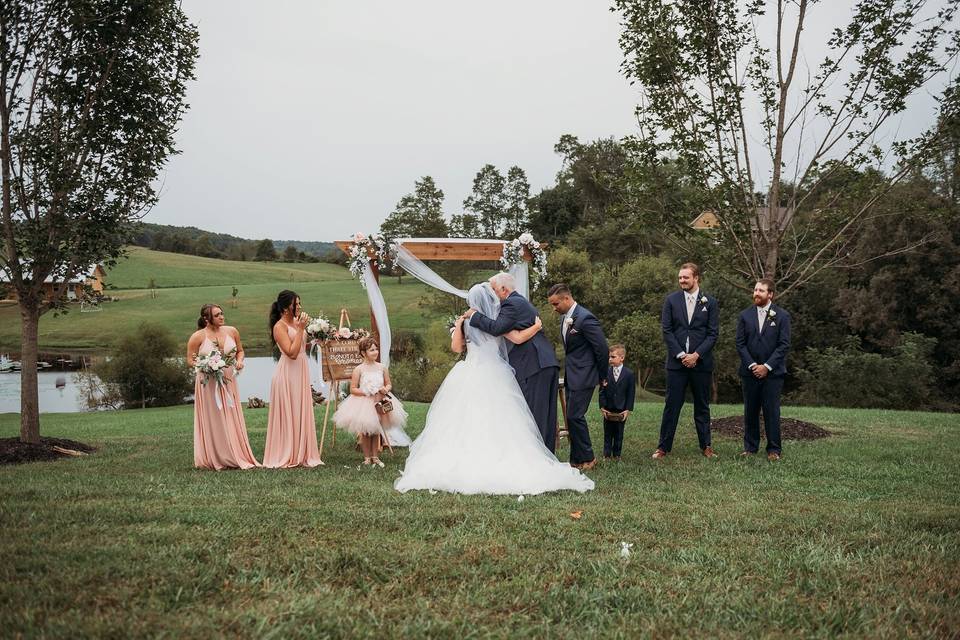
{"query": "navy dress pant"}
[(581, 449), (678, 380), (761, 395), (540, 392), (612, 438)]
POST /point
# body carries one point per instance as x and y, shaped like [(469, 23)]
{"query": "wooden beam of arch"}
[(439, 249)]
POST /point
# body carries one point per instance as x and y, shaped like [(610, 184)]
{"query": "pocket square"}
[(772, 323)]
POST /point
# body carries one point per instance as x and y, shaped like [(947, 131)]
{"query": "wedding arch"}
[(409, 254)]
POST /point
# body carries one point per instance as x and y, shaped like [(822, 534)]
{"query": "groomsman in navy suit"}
[(691, 323), (584, 367), (763, 340)]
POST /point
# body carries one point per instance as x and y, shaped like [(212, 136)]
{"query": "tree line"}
[(197, 242)]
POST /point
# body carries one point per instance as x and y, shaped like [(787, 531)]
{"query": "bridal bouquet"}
[(211, 365)]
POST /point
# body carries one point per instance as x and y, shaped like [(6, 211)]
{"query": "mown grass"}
[(179, 270), (323, 288), (857, 535)]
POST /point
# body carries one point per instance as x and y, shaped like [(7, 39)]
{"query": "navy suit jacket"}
[(618, 395), (516, 312), (769, 347), (585, 365), (702, 330)]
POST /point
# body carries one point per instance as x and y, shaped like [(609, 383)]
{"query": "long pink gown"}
[(291, 427), (219, 431)]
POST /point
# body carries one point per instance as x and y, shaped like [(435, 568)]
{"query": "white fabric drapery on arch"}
[(416, 268)]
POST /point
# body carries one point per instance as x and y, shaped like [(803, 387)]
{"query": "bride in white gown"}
[(480, 436)]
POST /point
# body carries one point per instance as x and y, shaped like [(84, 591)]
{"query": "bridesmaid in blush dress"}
[(219, 431), (291, 428)]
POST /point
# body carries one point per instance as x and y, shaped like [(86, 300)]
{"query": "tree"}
[(702, 66), (555, 211), (265, 251), (488, 202), (290, 254), (642, 336), (91, 96), (418, 214), (516, 194), (145, 369)]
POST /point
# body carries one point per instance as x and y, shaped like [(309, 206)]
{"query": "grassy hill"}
[(179, 270), (187, 282), (857, 535)]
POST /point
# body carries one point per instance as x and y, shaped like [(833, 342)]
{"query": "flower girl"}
[(359, 415)]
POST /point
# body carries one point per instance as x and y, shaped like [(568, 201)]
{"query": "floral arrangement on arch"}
[(360, 249), (513, 254)]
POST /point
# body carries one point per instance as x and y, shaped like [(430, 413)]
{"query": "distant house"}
[(76, 288), (706, 220)]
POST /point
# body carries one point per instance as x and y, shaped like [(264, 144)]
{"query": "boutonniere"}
[(772, 313), (568, 322), (703, 299)]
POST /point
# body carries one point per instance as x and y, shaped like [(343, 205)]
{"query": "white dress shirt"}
[(761, 317), (691, 300)]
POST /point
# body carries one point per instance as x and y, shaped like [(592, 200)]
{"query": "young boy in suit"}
[(616, 402)]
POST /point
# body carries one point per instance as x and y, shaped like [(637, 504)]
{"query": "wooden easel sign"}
[(340, 358)]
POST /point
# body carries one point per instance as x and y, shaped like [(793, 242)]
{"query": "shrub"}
[(146, 369), (846, 376), (417, 376)]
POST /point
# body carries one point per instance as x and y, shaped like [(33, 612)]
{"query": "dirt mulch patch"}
[(12, 451), (790, 429)]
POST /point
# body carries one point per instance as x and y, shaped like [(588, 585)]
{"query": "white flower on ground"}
[(520, 498), (625, 549)]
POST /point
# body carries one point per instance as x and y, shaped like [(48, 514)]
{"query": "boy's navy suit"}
[(616, 397)]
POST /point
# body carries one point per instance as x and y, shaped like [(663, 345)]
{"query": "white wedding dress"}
[(480, 436)]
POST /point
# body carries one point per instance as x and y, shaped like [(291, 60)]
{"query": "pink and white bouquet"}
[(211, 365)]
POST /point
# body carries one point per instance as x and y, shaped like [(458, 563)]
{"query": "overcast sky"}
[(311, 119)]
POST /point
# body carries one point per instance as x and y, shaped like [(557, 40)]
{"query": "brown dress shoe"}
[(773, 457), (586, 466), (744, 454), (709, 453), (659, 454)]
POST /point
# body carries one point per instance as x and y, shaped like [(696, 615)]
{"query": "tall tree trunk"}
[(29, 402), (771, 254)]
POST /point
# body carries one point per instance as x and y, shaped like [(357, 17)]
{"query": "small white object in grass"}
[(625, 549), (433, 492), (520, 498)]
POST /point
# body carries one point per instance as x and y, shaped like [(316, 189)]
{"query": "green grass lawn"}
[(178, 270), (857, 535), (323, 288)]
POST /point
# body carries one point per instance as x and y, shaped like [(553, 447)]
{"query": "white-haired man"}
[(534, 362)]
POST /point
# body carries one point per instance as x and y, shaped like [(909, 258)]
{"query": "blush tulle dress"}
[(358, 415)]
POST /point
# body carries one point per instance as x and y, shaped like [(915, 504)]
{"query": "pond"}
[(254, 381)]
